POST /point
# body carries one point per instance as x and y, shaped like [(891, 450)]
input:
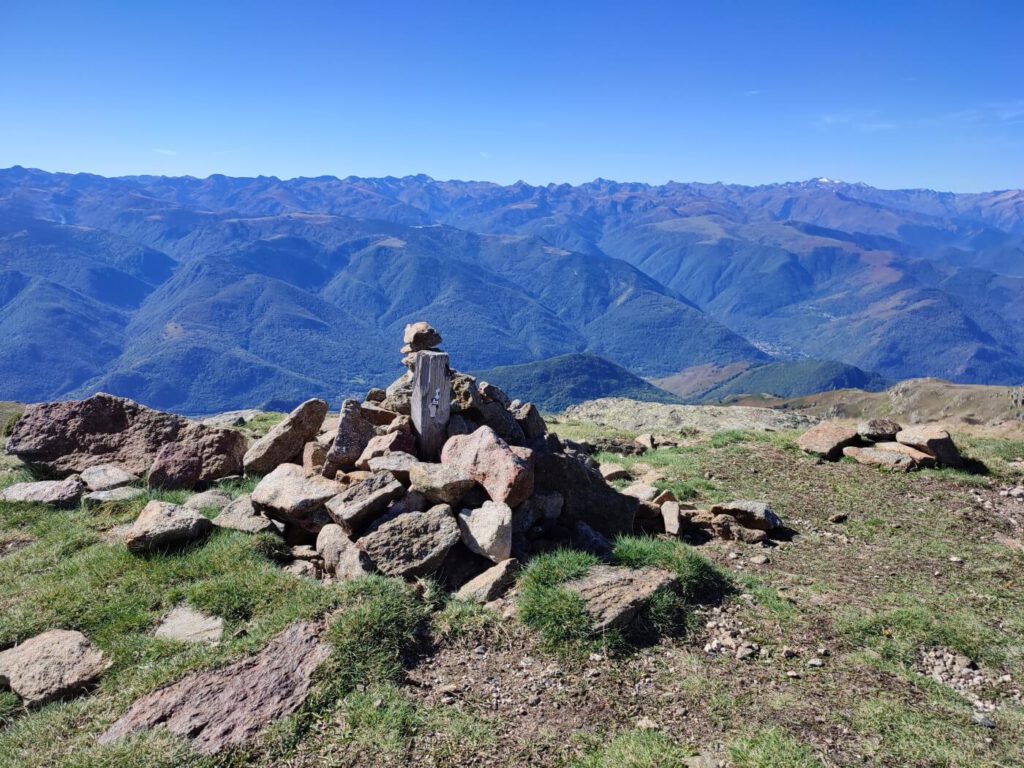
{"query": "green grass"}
[(938, 734), (380, 624), (898, 635), (557, 614), (463, 621), (700, 580), (771, 748), (560, 615), (264, 422), (636, 749), (69, 577)]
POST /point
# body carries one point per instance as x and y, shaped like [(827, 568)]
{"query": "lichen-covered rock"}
[(413, 544), (507, 475), (55, 665), (615, 595), (285, 440), (920, 458), (289, 496), (161, 525)]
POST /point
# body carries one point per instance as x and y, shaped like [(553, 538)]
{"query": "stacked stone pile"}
[(883, 443), (367, 499)]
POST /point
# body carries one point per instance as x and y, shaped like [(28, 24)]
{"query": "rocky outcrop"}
[(161, 525), (232, 706), (57, 664), (285, 441), (70, 436)]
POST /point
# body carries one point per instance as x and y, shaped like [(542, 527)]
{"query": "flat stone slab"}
[(615, 595), (106, 477), (827, 440), (891, 460), (56, 493), (234, 705), (190, 626), (57, 664)]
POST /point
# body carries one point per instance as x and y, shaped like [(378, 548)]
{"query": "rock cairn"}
[(366, 495)]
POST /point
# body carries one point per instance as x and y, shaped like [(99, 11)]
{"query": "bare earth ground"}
[(840, 614)]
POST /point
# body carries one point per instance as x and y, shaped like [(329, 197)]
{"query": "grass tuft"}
[(700, 580), (376, 629), (772, 748), (636, 749)]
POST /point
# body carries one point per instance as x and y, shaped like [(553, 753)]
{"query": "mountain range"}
[(199, 295)]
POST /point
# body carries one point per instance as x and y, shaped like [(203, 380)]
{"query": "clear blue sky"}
[(896, 94)]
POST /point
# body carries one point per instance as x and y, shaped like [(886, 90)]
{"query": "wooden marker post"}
[(431, 401)]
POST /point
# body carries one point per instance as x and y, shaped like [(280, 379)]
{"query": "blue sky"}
[(895, 94)]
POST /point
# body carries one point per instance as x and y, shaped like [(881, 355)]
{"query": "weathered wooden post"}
[(431, 401)]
